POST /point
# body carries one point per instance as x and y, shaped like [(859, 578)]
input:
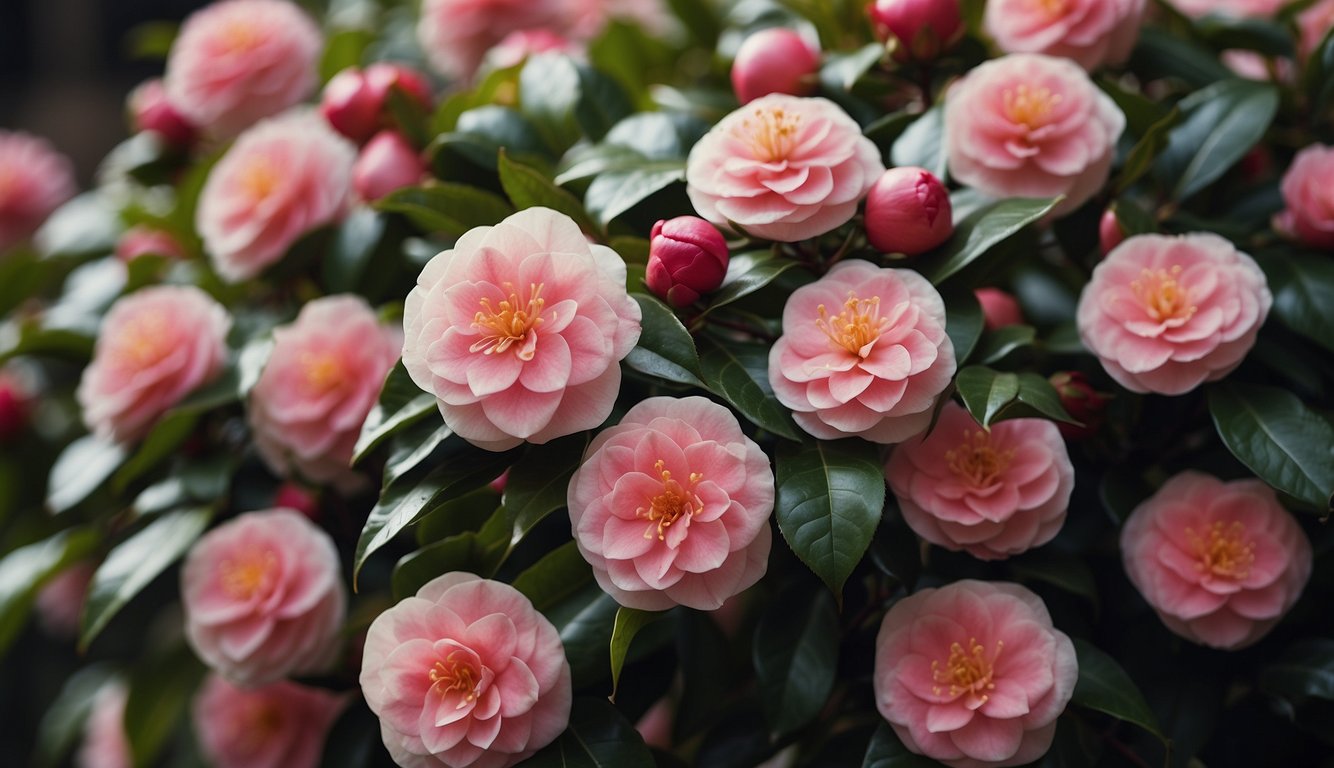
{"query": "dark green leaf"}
[(628, 623), (413, 446), (602, 104), (980, 231), (585, 623), (1062, 570), (1160, 52), (700, 18), (549, 94), (1301, 672), (160, 692), (665, 347), (539, 482), (1146, 150), (401, 403), (354, 244), (81, 469), (923, 143), (708, 672), (964, 322), (344, 49), (1222, 122), (796, 657), (528, 188), (998, 344), (479, 136), (747, 273), (887, 751), (1303, 294), (992, 396), (841, 71), (458, 553), (599, 736), (739, 373), (63, 723), (1224, 32), (160, 444), (446, 207), (25, 569), (612, 194), (1105, 687), (559, 575)]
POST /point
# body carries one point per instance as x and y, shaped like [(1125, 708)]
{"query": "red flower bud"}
[(13, 407), (355, 101), (297, 497), (1081, 401), (924, 28), (387, 162), (1110, 232), (687, 258), (147, 241), (908, 211), (774, 60), (150, 111), (999, 308)]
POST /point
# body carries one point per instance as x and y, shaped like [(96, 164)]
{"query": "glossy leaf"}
[(887, 751), (64, 721), (1303, 289), (923, 143), (796, 658), (747, 273), (585, 623), (665, 347), (1222, 122), (628, 623), (413, 446), (549, 92), (739, 373), (559, 575), (612, 194), (161, 689), (528, 188), (1301, 672), (992, 396), (598, 736), (446, 207), (81, 469), (1105, 687), (26, 568), (964, 323), (538, 483), (463, 552), (1000, 343), (981, 231), (401, 403), (160, 444), (1146, 150)]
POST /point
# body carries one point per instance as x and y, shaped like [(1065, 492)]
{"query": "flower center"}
[(967, 670), (323, 371), (248, 576), (140, 343), (674, 503), (855, 328), (456, 675), (1163, 297), (260, 721), (1223, 550), (976, 460), (1030, 107), (1052, 8), (240, 35), (771, 133), (259, 179), (511, 322)]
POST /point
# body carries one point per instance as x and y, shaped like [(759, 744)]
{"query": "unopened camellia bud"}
[(1110, 232), (355, 101), (294, 496), (776, 60), (147, 241), (687, 258), (150, 111), (13, 407), (999, 308), (387, 162), (908, 211), (1081, 401), (924, 29)]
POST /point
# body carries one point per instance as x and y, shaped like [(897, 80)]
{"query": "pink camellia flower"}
[(456, 34), (387, 163), (1110, 231), (876, 368), (782, 168), (775, 60), (105, 744), (281, 179), (908, 211), (519, 45), (322, 378), (150, 110), (671, 506), (1029, 125), (1220, 562), (1261, 9), (60, 601), (999, 308), (238, 61), (156, 346), (973, 674), (355, 101), (924, 29), (281, 725), (687, 258), (143, 240), (466, 674), (294, 496), (34, 180), (1314, 24), (1090, 32), (992, 493), (1166, 314), (592, 16), (518, 330), (1309, 195), (263, 596)]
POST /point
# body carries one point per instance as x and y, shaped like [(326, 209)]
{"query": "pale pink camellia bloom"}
[(992, 493), (34, 180), (1166, 314), (280, 725), (775, 60), (1258, 9), (1220, 562), (671, 506), (284, 177), (518, 330), (238, 61), (1030, 125), (908, 211), (782, 168), (1089, 32), (863, 352), (105, 743), (60, 601), (1314, 24), (456, 34), (465, 674), (973, 674), (263, 596), (156, 346), (1309, 195), (322, 378)]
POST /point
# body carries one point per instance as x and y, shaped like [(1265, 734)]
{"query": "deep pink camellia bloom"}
[(518, 330), (465, 674), (34, 180), (775, 60), (687, 258), (322, 378), (156, 346), (1166, 314), (355, 101), (863, 352), (1260, 9), (1308, 191), (1313, 24), (263, 596), (14, 397), (1029, 125), (992, 493), (238, 61), (105, 744), (782, 168), (1110, 231), (924, 28), (456, 34), (1089, 32), (999, 308), (281, 179), (1086, 404), (143, 240), (973, 674), (150, 110), (908, 211), (281, 725), (387, 163), (1221, 562), (671, 506)]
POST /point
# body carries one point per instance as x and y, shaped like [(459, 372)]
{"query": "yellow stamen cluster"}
[(976, 460), (856, 327), (967, 670), (458, 677), (1053, 9), (675, 502), (244, 578), (1030, 107), (240, 35), (1162, 294), (259, 178), (141, 341), (1223, 550), (771, 133), (323, 371), (509, 323)]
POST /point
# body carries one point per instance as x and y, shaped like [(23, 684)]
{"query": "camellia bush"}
[(628, 383)]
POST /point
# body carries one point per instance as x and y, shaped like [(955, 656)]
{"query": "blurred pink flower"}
[(60, 601), (1166, 314), (456, 34), (874, 369), (281, 725), (519, 45), (999, 308), (466, 674), (973, 674), (518, 330), (1314, 24), (671, 506), (782, 168), (1220, 562), (150, 110), (34, 180), (1308, 191), (387, 163), (238, 61), (908, 211), (1089, 32), (15, 403), (775, 60), (156, 346), (322, 377), (143, 240), (105, 744), (921, 29), (263, 596), (281, 179)]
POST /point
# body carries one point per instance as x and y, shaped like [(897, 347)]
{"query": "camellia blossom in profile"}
[(105, 744), (1221, 562), (1089, 32), (322, 377), (518, 330), (1166, 314), (280, 725), (156, 346), (671, 506), (238, 61), (263, 596), (863, 352), (456, 34), (281, 179), (1308, 191), (1029, 125), (465, 674), (34, 180), (782, 168), (973, 674)]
